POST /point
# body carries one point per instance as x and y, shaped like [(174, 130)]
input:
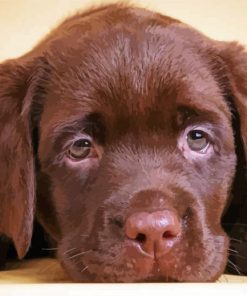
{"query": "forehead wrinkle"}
[(145, 71), (159, 68), (138, 63)]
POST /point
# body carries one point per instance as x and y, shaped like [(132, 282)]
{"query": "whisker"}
[(85, 268), (232, 250), (231, 267), (238, 256), (68, 251), (236, 240), (234, 266), (49, 249), (79, 254)]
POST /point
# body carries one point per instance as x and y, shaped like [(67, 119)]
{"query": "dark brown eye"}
[(80, 149), (197, 140)]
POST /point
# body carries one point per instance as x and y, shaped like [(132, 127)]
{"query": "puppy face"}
[(124, 141), (136, 148)]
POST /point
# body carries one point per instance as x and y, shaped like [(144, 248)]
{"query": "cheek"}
[(69, 185), (214, 180), (70, 179), (69, 208), (69, 188), (83, 165)]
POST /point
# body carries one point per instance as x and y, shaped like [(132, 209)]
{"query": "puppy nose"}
[(155, 233)]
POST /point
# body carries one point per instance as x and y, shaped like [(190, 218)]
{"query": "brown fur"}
[(133, 80)]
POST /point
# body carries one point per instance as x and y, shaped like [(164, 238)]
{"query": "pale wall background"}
[(24, 22)]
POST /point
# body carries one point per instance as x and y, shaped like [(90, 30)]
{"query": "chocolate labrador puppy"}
[(122, 132)]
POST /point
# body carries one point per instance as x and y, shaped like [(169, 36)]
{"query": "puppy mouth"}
[(138, 266), (148, 271), (138, 269), (153, 267), (128, 263), (157, 275)]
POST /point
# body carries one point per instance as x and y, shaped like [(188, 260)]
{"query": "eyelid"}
[(78, 136), (205, 127)]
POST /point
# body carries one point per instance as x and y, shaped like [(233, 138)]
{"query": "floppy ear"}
[(234, 57), (235, 71), (17, 177)]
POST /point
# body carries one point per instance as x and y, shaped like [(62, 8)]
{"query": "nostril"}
[(141, 238), (168, 235)]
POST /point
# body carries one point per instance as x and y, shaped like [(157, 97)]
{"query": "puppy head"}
[(136, 147)]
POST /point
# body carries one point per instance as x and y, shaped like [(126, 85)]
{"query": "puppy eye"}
[(80, 149), (197, 140)]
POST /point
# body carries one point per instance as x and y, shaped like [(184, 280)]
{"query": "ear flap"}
[(17, 180), (235, 67), (235, 58)]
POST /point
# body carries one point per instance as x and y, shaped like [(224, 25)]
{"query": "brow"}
[(91, 124), (200, 112)]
